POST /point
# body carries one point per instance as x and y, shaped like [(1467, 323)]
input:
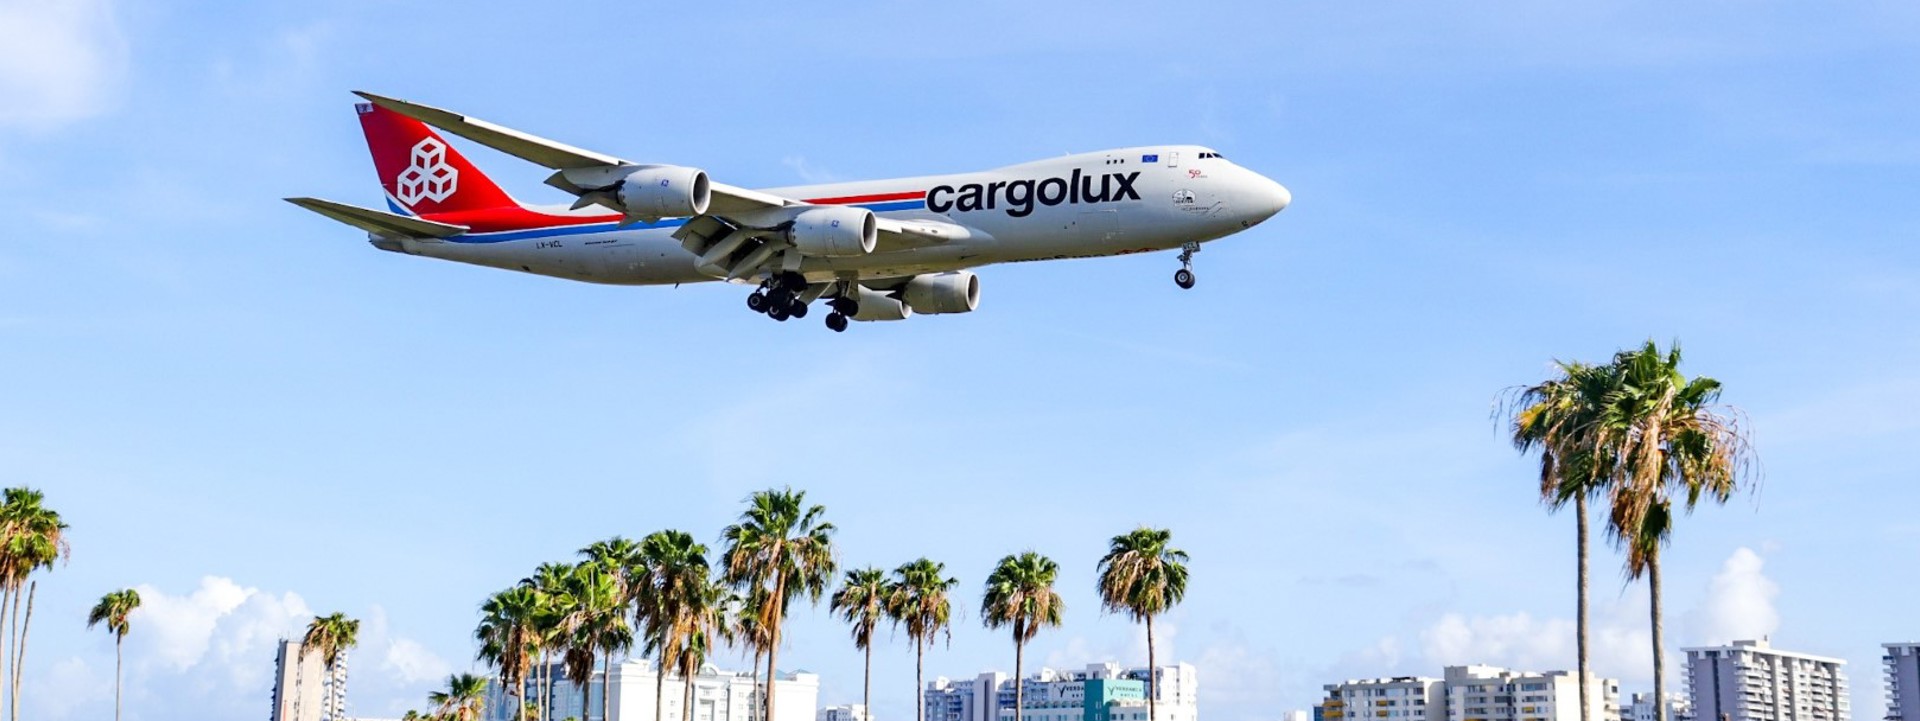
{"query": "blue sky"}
[(253, 416)]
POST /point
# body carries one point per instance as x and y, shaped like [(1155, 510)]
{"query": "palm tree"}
[(747, 629), (509, 637), (113, 610), (596, 623), (330, 636), (701, 625), (675, 571), (32, 537), (920, 598), (1020, 595), (464, 699), (550, 632), (1560, 418), (782, 545), (621, 557), (1664, 435), (862, 603), (1142, 576)]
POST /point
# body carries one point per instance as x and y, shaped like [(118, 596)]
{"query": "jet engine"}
[(665, 191), (951, 292), (875, 305), (834, 231)]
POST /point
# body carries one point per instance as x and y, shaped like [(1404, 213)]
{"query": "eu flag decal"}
[(1155, 158)]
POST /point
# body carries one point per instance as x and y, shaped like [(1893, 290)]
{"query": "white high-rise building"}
[(849, 712), (717, 696), (1400, 698), (1100, 692), (1488, 693), (1641, 708), (1752, 681), (303, 690), (1903, 681)]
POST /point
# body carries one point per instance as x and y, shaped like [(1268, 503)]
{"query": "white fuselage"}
[(1135, 200)]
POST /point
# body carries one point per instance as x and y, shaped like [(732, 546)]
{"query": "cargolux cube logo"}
[(428, 176)]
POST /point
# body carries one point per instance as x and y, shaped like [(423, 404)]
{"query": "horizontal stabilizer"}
[(378, 221)]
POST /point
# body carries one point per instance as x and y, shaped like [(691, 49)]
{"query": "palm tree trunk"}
[(1152, 672), (919, 679), (660, 684), (1580, 604), (20, 650), (773, 644), (118, 656), (687, 700), (756, 681), (1659, 654), (606, 677), (12, 640), (1019, 689)]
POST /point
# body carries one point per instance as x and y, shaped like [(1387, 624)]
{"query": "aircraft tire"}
[(778, 313), (1183, 278), (837, 322), (757, 302), (797, 310)]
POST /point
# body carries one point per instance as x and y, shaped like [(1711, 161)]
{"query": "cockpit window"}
[(1204, 156)]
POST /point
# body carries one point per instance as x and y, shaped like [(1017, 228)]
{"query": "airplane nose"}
[(1269, 197)]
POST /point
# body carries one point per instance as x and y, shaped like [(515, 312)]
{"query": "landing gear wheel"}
[(846, 306), (778, 313), (837, 322), (757, 302), (797, 310), (1183, 278)]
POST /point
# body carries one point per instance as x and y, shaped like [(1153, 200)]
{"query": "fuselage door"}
[(1173, 160)]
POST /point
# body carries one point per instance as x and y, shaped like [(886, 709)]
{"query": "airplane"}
[(879, 250)]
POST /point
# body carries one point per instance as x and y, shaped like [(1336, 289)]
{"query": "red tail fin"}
[(420, 171)]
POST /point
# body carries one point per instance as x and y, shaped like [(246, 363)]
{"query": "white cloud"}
[(59, 61), (1738, 604), (411, 662), (208, 654)]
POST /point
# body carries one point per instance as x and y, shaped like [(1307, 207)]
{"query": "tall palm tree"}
[(623, 558), (1143, 576), (1560, 418), (749, 632), (780, 544), (549, 582), (509, 637), (597, 624), (920, 598), (32, 537), (1666, 436), (464, 699), (701, 626), (113, 610), (675, 572), (330, 636), (1020, 596), (862, 603)]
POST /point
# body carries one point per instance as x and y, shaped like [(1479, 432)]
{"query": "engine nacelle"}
[(665, 191), (950, 292), (875, 305), (834, 231)]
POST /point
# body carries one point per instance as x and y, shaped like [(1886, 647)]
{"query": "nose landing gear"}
[(1184, 276)]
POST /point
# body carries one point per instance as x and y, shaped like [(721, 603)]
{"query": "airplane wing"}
[(377, 221)]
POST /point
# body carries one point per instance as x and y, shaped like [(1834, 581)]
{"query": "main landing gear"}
[(1184, 276), (786, 296), (779, 297)]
